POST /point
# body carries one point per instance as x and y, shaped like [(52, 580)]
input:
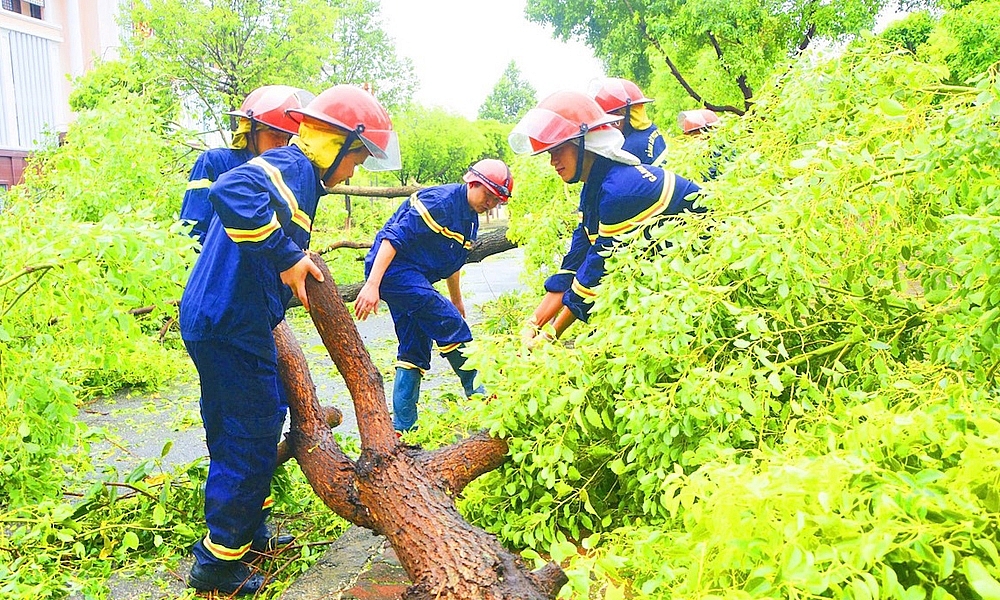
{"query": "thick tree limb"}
[(328, 469), (396, 490), (459, 464)]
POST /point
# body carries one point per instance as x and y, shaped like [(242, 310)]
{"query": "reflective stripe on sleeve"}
[(434, 226), (299, 217), (254, 235), (613, 229)]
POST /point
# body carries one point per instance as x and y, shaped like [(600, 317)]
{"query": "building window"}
[(35, 7), (11, 5)]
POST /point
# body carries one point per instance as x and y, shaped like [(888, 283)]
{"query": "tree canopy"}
[(511, 97), (218, 51), (717, 53)]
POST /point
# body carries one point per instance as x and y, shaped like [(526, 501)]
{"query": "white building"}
[(43, 44)]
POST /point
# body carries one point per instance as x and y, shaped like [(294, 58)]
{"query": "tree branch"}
[(675, 71)]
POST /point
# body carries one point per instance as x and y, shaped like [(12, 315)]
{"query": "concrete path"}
[(140, 427)]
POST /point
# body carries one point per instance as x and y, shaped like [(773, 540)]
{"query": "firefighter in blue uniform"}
[(619, 196), (428, 239), (253, 260), (622, 98), (262, 125)]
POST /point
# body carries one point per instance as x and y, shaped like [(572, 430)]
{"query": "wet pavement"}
[(359, 564)]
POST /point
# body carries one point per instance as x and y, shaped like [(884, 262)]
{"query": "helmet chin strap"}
[(579, 157), (354, 135), (627, 125)]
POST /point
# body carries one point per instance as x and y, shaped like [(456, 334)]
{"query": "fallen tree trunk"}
[(398, 491)]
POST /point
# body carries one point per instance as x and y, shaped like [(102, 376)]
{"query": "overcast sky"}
[(460, 48)]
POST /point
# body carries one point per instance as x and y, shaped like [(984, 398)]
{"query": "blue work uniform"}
[(196, 210), (647, 145), (432, 232), (233, 300), (616, 199)]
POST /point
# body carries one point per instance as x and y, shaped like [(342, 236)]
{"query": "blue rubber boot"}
[(405, 392), (468, 377)]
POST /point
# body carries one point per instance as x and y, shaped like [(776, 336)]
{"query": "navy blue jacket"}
[(647, 145), (432, 232), (264, 212), (616, 200), (195, 207)]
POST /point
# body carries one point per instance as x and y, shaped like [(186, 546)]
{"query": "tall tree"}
[(437, 146), (218, 51), (511, 97), (727, 47), (365, 54)]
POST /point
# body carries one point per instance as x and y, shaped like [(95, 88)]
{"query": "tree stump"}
[(401, 492)]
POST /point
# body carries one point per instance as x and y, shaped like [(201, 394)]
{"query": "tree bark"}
[(401, 492)]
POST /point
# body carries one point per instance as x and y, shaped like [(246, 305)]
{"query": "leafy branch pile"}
[(798, 400)]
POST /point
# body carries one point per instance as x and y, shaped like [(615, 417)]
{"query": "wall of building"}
[(38, 60)]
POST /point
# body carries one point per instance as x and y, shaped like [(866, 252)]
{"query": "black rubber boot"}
[(230, 577)]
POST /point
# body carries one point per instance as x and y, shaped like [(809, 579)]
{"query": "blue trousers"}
[(243, 409), (421, 316)]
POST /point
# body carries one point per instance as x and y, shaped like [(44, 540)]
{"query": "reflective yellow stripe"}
[(268, 503), (565, 272), (448, 348), (642, 218), (433, 225), (199, 184), (591, 236), (298, 216), (402, 364), (583, 292), (254, 235), (223, 553)]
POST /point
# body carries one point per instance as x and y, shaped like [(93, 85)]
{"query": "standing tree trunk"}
[(398, 491)]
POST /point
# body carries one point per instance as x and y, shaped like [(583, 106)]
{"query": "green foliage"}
[(713, 44), (511, 97), (56, 547), (133, 74), (797, 398), (438, 146), (366, 54), (117, 158), (967, 40), (85, 239), (910, 32)]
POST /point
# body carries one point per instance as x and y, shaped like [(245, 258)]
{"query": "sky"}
[(460, 48)]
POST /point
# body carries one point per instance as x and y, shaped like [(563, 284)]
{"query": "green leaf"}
[(130, 541), (891, 107), (980, 579)]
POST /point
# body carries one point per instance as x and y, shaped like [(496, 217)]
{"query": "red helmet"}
[(353, 110), (561, 117), (615, 94), (267, 105), (495, 175), (693, 121)]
